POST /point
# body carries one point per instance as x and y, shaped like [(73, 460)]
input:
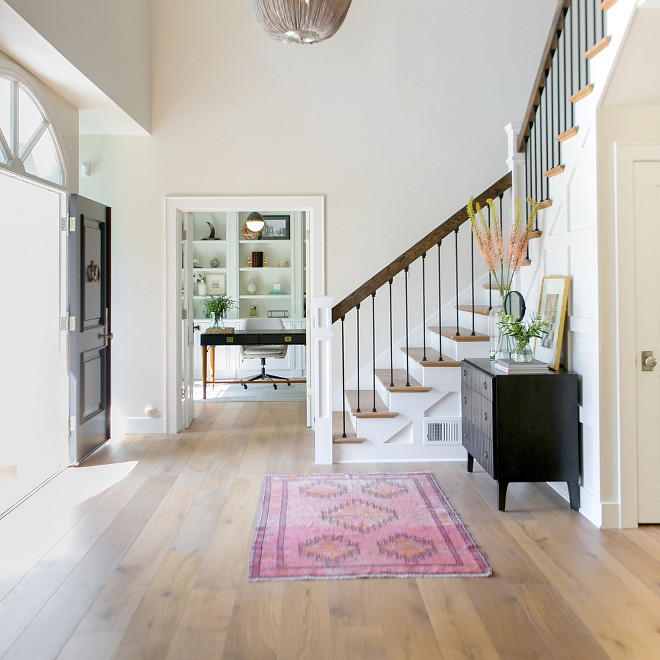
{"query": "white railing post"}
[(515, 163), (322, 378)]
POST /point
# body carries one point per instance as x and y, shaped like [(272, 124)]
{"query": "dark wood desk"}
[(295, 337)]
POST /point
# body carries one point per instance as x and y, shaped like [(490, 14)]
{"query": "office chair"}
[(263, 352)]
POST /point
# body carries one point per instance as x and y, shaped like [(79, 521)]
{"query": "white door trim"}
[(313, 206), (625, 156)]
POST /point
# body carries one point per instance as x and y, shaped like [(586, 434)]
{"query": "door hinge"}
[(184, 314), (72, 423), (72, 223), (184, 235), (68, 323)]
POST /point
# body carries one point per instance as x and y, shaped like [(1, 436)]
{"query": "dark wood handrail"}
[(421, 247), (546, 63)]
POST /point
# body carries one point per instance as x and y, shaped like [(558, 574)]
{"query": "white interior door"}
[(646, 177), (34, 401)]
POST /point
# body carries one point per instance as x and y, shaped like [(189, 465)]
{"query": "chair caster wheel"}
[(274, 387), (289, 384), (244, 386)]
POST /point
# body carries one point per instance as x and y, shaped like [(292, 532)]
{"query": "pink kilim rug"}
[(315, 527)]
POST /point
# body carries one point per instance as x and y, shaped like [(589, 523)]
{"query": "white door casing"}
[(637, 180), (314, 209)]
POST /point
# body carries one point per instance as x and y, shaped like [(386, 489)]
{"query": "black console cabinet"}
[(521, 427)]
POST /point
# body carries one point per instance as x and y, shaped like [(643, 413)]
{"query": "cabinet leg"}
[(501, 501), (574, 494), (470, 465)]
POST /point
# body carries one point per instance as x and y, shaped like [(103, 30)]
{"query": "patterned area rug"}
[(338, 526)]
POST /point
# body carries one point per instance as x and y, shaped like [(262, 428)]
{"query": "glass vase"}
[(522, 352), (217, 321), (499, 342)]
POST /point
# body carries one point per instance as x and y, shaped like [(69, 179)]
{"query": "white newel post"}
[(322, 356), (515, 163)]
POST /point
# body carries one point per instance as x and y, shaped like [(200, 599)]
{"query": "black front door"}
[(90, 334)]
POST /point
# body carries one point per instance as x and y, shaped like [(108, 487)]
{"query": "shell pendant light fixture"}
[(301, 21)]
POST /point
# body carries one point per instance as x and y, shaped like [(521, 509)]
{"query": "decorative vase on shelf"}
[(201, 289), (499, 342), (251, 287), (522, 352), (217, 321)]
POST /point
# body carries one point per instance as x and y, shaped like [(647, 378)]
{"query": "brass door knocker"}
[(93, 272)]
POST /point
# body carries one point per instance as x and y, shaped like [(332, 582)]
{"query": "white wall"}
[(396, 120), (107, 41)]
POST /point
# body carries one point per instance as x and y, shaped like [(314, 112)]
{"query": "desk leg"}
[(470, 463), (204, 352), (501, 494), (213, 367)]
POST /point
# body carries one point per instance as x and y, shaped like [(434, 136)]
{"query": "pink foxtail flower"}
[(490, 241)]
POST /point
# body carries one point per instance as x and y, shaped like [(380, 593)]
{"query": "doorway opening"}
[(34, 405), (205, 239)]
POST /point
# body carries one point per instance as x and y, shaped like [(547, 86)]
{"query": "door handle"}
[(648, 361), (196, 327), (108, 335), (93, 272)]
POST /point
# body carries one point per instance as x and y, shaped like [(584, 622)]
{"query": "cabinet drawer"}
[(479, 446), (477, 380), (478, 409)]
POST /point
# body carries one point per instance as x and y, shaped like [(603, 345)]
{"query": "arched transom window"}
[(27, 142)]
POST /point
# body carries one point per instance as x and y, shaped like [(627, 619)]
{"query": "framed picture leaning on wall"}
[(276, 228), (552, 309)]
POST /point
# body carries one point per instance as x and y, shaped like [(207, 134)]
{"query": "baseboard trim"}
[(142, 425)]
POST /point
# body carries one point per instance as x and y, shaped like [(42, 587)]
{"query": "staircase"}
[(405, 331)]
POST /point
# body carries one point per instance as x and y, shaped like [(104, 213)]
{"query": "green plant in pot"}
[(216, 307), (522, 333)]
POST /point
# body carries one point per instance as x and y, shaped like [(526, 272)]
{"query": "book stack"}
[(509, 366)]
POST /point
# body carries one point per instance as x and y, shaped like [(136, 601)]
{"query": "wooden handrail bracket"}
[(421, 247)]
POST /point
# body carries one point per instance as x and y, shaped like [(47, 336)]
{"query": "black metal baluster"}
[(572, 57), (343, 381), (558, 98), (595, 23), (563, 44), (540, 132), (357, 310), (577, 46), (458, 333), (424, 305), (603, 28), (547, 138), (405, 270), (535, 168), (373, 347), (439, 301), (551, 101), (586, 43), (472, 266), (391, 340)]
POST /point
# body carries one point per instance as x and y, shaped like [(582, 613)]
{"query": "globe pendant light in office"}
[(301, 21)]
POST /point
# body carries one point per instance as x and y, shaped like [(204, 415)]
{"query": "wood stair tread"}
[(582, 93), (567, 134), (525, 262), (449, 331), (537, 233), (337, 431), (484, 310), (554, 171), (367, 404), (493, 287), (544, 204), (432, 358), (607, 4), (383, 376), (597, 48)]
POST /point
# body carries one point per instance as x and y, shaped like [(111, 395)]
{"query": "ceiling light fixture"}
[(301, 21), (254, 223)]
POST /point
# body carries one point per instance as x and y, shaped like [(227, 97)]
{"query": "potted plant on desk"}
[(216, 307)]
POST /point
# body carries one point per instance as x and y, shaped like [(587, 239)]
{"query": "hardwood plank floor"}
[(155, 565)]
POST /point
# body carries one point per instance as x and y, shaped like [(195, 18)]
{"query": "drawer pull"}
[(485, 417), (485, 384), (464, 372), (465, 434), (464, 399), (485, 456)]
